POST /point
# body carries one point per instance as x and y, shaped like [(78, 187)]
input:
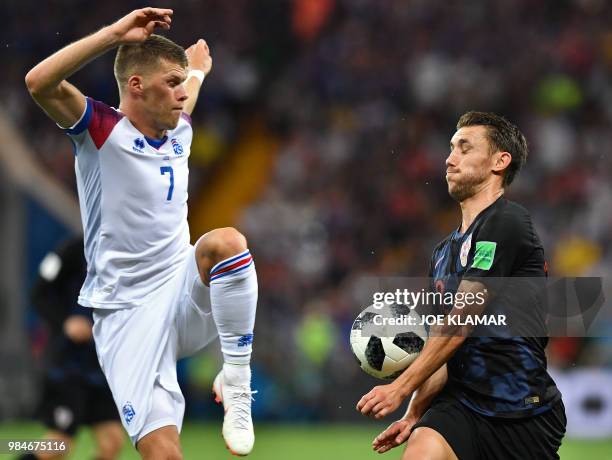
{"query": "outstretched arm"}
[(46, 82), (199, 59)]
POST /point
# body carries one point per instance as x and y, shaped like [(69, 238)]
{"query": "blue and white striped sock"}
[(233, 297)]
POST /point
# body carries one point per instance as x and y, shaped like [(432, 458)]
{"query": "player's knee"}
[(162, 450), (161, 444), (417, 451), (221, 243), (427, 444), (170, 451)]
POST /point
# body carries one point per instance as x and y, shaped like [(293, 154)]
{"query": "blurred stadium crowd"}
[(361, 98)]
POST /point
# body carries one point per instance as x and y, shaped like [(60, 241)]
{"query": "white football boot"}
[(237, 423)]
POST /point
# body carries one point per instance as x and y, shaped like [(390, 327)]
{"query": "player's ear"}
[(501, 161), (135, 85)]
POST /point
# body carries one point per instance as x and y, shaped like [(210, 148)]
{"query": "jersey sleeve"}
[(97, 121), (77, 131), (496, 246)]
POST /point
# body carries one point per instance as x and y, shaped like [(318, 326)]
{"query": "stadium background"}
[(321, 133)]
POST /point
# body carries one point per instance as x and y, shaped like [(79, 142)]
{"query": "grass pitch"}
[(284, 442)]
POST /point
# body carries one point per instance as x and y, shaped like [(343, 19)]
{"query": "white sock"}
[(233, 298), (237, 374)]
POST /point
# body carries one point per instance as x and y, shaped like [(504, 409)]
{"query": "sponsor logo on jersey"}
[(139, 145), (245, 340), (465, 250), (176, 146), (128, 412)]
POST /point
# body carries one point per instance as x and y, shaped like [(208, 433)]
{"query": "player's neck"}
[(474, 205), (140, 121)]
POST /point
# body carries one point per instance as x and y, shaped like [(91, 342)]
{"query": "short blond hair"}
[(141, 57)]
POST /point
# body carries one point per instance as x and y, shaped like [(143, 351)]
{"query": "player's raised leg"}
[(226, 265), (427, 444)]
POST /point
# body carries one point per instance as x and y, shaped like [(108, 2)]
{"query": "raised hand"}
[(199, 57), (139, 24)]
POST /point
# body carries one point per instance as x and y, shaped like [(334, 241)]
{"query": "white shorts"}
[(138, 349)]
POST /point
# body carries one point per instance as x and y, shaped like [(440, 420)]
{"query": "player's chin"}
[(173, 120), (455, 192)]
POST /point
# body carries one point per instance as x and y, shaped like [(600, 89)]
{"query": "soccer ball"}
[(387, 340)]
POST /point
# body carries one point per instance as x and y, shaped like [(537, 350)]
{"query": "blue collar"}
[(156, 143)]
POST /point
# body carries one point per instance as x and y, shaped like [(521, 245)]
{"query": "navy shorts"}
[(473, 436)]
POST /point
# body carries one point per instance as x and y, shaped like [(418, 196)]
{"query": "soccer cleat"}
[(237, 423)]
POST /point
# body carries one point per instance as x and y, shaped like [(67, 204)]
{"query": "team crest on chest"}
[(465, 250), (139, 145), (176, 146)]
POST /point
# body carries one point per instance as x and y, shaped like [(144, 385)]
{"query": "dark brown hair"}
[(503, 137), (141, 57)]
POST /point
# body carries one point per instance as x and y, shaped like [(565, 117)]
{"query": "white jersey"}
[(133, 199)]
